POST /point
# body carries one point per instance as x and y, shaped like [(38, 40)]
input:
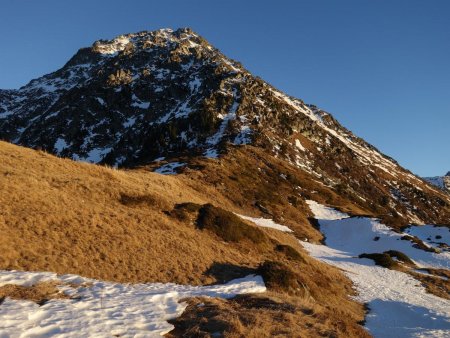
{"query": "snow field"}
[(399, 305), (104, 309)]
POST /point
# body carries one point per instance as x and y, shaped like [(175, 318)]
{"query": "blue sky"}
[(382, 68)]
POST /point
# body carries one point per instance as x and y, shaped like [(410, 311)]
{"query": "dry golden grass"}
[(59, 215), (250, 182), (67, 217), (39, 293), (268, 315), (437, 283)]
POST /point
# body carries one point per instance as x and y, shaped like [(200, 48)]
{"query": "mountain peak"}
[(168, 93), (147, 39), (181, 40)]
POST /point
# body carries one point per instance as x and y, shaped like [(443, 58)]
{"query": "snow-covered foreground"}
[(399, 305), (104, 309)]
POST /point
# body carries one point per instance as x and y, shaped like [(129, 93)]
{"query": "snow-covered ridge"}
[(104, 309), (366, 154)]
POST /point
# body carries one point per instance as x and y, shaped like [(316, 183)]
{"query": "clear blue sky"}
[(381, 67)]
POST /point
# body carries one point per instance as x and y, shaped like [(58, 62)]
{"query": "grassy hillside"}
[(138, 226)]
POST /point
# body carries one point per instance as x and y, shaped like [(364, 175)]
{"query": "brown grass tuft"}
[(278, 276), (39, 293)]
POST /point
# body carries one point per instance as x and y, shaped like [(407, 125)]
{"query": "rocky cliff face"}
[(143, 96)]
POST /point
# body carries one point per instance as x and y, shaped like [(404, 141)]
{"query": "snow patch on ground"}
[(137, 103), (357, 235), (105, 309), (399, 305), (266, 223), (325, 213), (101, 101), (430, 234)]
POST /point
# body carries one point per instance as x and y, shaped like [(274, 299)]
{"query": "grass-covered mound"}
[(386, 260), (228, 226), (278, 276)]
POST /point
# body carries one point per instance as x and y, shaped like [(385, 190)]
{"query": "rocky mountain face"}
[(442, 182), (168, 94)]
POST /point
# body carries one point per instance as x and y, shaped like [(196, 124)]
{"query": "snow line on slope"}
[(399, 305), (105, 309)]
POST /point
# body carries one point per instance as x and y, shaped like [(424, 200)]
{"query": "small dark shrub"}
[(188, 206), (381, 259), (228, 226), (183, 211), (418, 244), (400, 256), (293, 200), (278, 276)]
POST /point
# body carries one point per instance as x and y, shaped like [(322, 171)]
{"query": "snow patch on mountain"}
[(323, 212), (169, 168), (60, 145), (215, 139), (438, 181)]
